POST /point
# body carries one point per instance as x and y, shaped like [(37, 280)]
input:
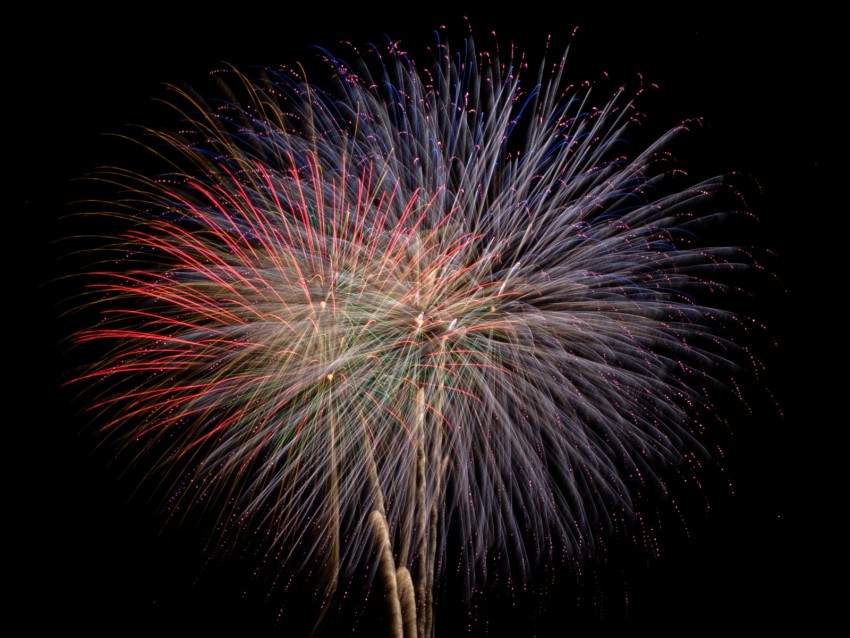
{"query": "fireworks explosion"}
[(421, 306)]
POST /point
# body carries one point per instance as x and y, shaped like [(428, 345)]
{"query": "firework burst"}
[(426, 304)]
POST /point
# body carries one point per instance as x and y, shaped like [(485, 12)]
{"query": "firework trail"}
[(424, 304)]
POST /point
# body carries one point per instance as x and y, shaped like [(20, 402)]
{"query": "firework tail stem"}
[(408, 603), (387, 573), (432, 554), (429, 512), (421, 567), (399, 591)]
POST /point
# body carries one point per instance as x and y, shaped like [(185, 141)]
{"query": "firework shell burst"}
[(438, 296)]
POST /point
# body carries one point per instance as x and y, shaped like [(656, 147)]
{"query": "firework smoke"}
[(423, 305)]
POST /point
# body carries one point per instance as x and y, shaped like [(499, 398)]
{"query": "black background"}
[(766, 554)]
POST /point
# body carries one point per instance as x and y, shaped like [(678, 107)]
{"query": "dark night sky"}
[(766, 557)]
